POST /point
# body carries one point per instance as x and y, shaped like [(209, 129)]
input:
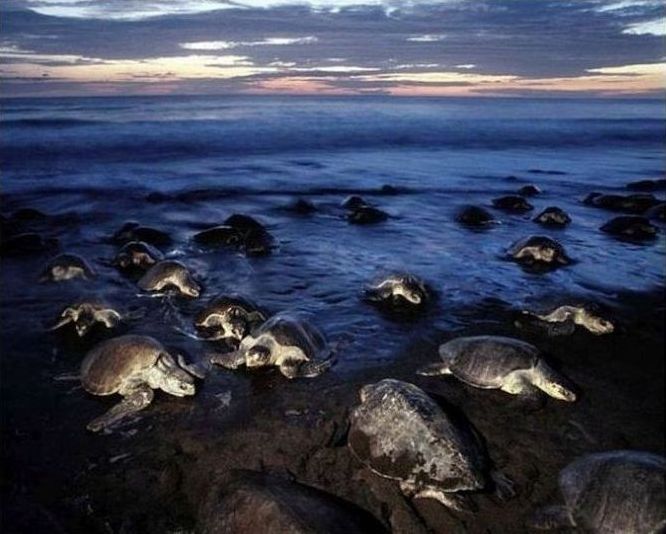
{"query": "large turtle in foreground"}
[(495, 362), (615, 492), (400, 433), (131, 366), (293, 345)]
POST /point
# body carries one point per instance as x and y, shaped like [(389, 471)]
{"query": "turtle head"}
[(237, 328), (258, 356), (84, 322), (173, 379), (366, 391), (599, 325), (191, 288)]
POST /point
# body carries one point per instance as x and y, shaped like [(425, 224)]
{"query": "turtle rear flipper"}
[(434, 369), (301, 369), (550, 517), (133, 401)]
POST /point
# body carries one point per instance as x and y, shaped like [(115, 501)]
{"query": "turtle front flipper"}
[(63, 321), (503, 486), (134, 400), (229, 360), (109, 318), (552, 383), (434, 369), (308, 369), (550, 517), (454, 501)]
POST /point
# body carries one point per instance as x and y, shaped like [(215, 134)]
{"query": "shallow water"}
[(94, 162)]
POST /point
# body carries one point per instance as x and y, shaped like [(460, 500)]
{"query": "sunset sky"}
[(396, 47)]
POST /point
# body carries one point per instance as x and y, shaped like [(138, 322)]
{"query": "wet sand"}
[(156, 473)]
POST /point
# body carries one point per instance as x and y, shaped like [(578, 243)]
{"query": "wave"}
[(155, 140)]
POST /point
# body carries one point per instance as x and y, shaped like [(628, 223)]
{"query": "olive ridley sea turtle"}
[(170, 274)]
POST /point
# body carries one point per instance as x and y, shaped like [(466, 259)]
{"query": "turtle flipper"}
[(133, 401), (109, 318), (61, 322), (550, 517), (454, 501), (301, 369), (198, 370), (229, 360), (503, 486), (434, 369)]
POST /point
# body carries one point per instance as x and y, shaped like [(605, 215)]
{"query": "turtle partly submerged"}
[(400, 433), (170, 274), (66, 267), (495, 362), (85, 314), (614, 492), (563, 320), (398, 291), (296, 347), (228, 317), (132, 366)]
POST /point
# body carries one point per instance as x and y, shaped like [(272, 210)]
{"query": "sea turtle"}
[(495, 362), (132, 366), (228, 317), (513, 203), (529, 190), (398, 291), (167, 275), (553, 216), (137, 255), (366, 215), (636, 203), (538, 251), (85, 314), (253, 503), (586, 316), (656, 213), (295, 346), (354, 202), (474, 216), (301, 206), (648, 185), (256, 240), (614, 492), (133, 231), (222, 235), (400, 433), (66, 267), (631, 227)]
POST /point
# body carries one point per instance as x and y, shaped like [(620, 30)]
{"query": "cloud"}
[(269, 41)]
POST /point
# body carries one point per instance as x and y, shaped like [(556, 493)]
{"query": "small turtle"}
[(399, 291), (301, 206), (495, 362), (636, 203), (614, 492), (514, 203), (252, 502), (137, 255), (85, 314), (474, 216), (401, 434), (631, 227), (296, 347), (354, 202), (585, 316), (66, 267), (366, 215), (167, 275), (529, 190), (539, 251), (223, 235), (553, 216), (132, 366), (133, 231), (228, 317)]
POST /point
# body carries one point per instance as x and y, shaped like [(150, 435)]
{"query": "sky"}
[(612, 48)]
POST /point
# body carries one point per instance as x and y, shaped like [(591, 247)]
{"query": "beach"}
[(183, 164)]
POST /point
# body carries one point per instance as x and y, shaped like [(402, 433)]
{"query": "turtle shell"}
[(110, 364), (538, 241), (137, 253), (402, 434), (229, 306), (485, 361), (287, 331), (158, 272), (616, 491), (69, 261)]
